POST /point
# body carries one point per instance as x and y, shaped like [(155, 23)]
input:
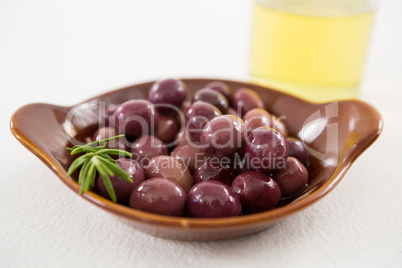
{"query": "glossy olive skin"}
[(145, 148), (257, 191), (214, 169), (298, 150), (166, 129), (168, 167), (256, 118), (108, 119), (185, 106), (198, 115), (212, 97), (121, 187), (183, 137), (223, 136), (239, 162), (266, 150), (109, 132), (159, 196), (180, 117), (221, 87), (167, 94), (279, 125), (293, 179), (135, 118), (213, 199), (245, 100), (190, 156), (232, 111)]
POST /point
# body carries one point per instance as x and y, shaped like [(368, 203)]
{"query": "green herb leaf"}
[(85, 186), (116, 169), (96, 159), (76, 164), (109, 187), (102, 141), (114, 152), (84, 170), (107, 157)]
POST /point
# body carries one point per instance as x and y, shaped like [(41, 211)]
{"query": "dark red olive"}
[(293, 179), (258, 192), (212, 97), (145, 148), (215, 169), (165, 166), (121, 187), (266, 150), (223, 136), (245, 100), (213, 199), (159, 196), (135, 118)]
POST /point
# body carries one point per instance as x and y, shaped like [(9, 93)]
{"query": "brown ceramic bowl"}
[(337, 133)]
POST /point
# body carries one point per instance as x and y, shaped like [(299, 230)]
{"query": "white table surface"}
[(64, 52)]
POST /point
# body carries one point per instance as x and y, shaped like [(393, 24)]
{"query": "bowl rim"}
[(187, 223)]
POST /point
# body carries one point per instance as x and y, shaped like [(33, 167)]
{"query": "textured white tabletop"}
[(64, 52)]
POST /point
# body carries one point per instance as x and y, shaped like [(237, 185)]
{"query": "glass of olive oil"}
[(314, 49)]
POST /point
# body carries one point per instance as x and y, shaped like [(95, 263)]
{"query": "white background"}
[(64, 52)]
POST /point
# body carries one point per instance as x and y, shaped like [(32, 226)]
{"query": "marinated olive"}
[(258, 192), (223, 136), (215, 169), (168, 94), (168, 167), (159, 196), (245, 100), (121, 187), (135, 118), (145, 148), (198, 115), (213, 199), (212, 97), (190, 156), (266, 150), (293, 178)]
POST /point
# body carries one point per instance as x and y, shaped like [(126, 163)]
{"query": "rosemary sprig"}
[(96, 159)]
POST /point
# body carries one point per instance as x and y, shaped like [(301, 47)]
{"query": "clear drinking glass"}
[(315, 49)]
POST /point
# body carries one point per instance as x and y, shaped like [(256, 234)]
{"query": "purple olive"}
[(168, 94), (245, 100), (109, 132), (293, 179), (214, 169), (183, 137), (213, 199), (190, 156), (232, 111), (159, 196), (266, 150), (121, 187), (166, 129), (108, 118), (258, 192), (212, 97), (145, 148), (198, 115), (221, 87), (256, 118), (223, 136), (279, 125), (135, 118), (298, 150), (165, 166)]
